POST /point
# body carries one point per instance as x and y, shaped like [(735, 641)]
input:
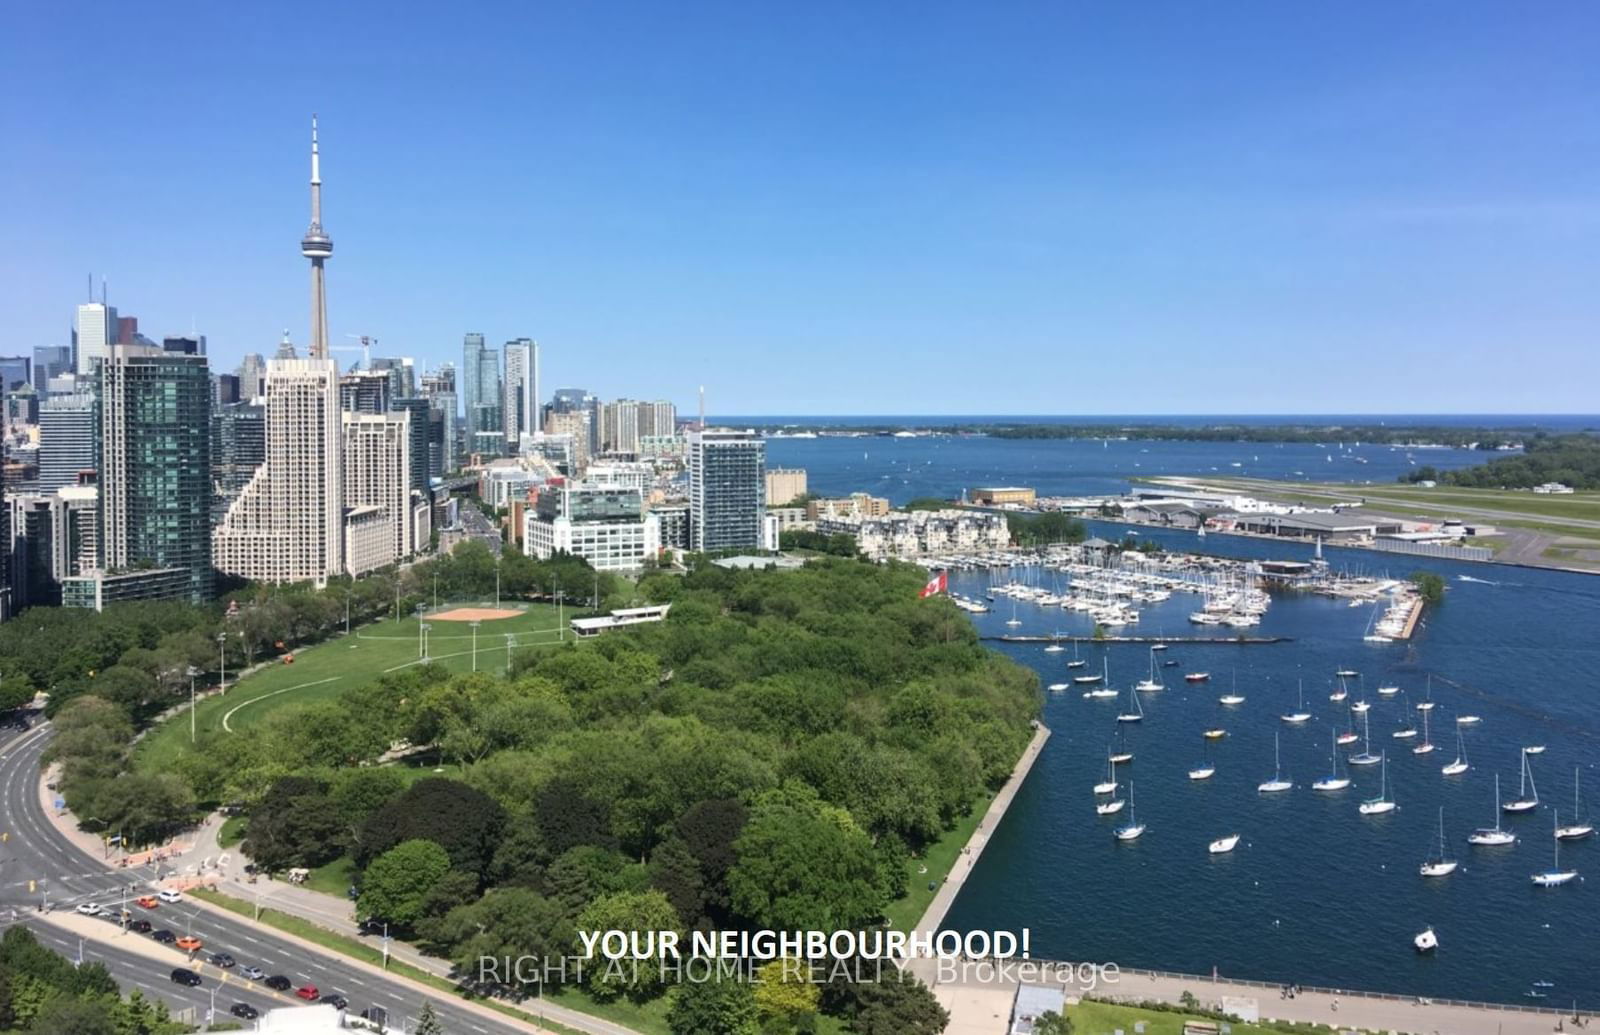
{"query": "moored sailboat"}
[(1555, 875), (1277, 783), (1459, 766), (1439, 865), (1580, 827), (1223, 845), (1133, 828), (1527, 798), (1492, 835), (1382, 803), (1333, 781), (1300, 714)]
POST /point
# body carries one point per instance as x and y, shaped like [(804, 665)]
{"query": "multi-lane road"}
[(34, 850)]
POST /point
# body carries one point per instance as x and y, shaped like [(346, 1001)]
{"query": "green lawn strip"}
[(232, 831), (333, 878), (328, 669), (939, 858), (1093, 1017), (351, 947)]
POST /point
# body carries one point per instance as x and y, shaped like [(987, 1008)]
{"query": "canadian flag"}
[(940, 583)]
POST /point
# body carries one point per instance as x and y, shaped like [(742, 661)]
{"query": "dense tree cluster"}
[(1042, 529), (43, 993), (771, 755), (839, 544), (1572, 460)]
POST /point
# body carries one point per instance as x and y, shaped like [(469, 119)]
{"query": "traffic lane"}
[(132, 970), (249, 944)]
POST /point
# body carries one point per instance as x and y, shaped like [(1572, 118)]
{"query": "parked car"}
[(244, 1011), (252, 973), (278, 983), (165, 937), (221, 959), (168, 895), (182, 976), (308, 992), (189, 943)]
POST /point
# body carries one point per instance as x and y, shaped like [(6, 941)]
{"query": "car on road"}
[(147, 902), (89, 909), (252, 973), (164, 936), (221, 959), (279, 983), (139, 926), (189, 943), (168, 895), (337, 1001), (308, 992), (244, 1011), (184, 976)]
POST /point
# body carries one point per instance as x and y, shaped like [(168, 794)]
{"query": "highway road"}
[(65, 876)]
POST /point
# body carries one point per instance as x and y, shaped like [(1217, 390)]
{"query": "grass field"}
[(328, 669), (1097, 1018), (938, 860)]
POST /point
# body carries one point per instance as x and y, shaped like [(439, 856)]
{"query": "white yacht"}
[(1438, 866), (1555, 875), (1580, 827), (1382, 803), (1277, 783), (1527, 798), (1426, 941), (1492, 835), (1333, 781), (1223, 845)]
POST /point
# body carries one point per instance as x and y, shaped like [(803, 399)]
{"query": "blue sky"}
[(841, 207)]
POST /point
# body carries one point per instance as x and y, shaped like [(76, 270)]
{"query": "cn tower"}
[(316, 245)]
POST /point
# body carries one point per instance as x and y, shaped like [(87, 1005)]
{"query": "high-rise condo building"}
[(575, 425), (658, 419), (619, 426), (482, 396), (520, 409), (66, 440), (153, 424), (377, 475), (439, 388), (727, 489)]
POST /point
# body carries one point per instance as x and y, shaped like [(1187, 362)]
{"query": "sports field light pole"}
[(508, 654), (497, 581), (421, 650), (436, 591), (222, 662), (474, 625)]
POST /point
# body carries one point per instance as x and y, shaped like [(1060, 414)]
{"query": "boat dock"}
[(1248, 641), (1411, 619)]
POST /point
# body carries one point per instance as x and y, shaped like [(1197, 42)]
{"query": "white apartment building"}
[(605, 526), (621, 474), (922, 532), (287, 525), (377, 464)]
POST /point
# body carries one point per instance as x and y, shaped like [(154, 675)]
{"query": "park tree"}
[(675, 872), (1052, 1023), (721, 1007), (428, 1021), (395, 885), (464, 821), (356, 793), (804, 865), (16, 691), (898, 1004), (643, 912), (784, 992), (295, 824), (505, 922), (566, 817), (144, 807)]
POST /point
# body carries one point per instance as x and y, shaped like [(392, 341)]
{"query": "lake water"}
[(1315, 893)]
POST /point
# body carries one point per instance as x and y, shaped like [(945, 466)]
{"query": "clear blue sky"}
[(1067, 207)]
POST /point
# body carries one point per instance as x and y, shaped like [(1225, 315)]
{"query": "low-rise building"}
[(1171, 514), (857, 504), (1003, 495), (784, 485), (96, 589), (606, 526), (921, 532), (586, 627)]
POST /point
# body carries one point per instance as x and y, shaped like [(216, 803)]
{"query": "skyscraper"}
[(481, 394), (288, 523), (439, 388), (252, 377), (377, 474), (50, 361), (97, 332), (619, 426), (153, 431), (66, 440), (521, 406), (727, 489)]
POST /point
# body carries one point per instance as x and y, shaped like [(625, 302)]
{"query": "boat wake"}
[(1470, 578)]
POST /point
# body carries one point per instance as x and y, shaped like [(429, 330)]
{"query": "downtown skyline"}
[(1289, 212)]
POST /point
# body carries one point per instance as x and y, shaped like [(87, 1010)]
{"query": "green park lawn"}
[(328, 669), (1099, 1018)]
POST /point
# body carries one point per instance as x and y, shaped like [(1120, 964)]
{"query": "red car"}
[(308, 992)]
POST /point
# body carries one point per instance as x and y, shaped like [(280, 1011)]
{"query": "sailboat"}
[(1105, 673), (1427, 745), (1409, 729), (1109, 808), (1333, 781), (1459, 766), (1528, 794), (1152, 684), (1579, 828), (1348, 736), (1426, 704), (1109, 786), (1388, 691), (1340, 692), (1555, 874), (1137, 715), (1121, 754), (1233, 696), (1468, 720), (1205, 770), (1057, 687), (1277, 783), (1533, 749), (1300, 714), (1382, 803), (1013, 620), (1133, 828), (1438, 866), (1076, 661), (1492, 835), (1346, 673), (1366, 757), (1102, 690), (1223, 845), (1055, 644)]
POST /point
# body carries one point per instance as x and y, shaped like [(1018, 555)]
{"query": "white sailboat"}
[(1426, 704), (1013, 620), (1223, 845), (1300, 714), (1277, 783), (1205, 770), (1057, 687), (1555, 875), (1438, 866), (1152, 684), (1527, 798), (1137, 714), (1101, 691), (1121, 754), (1409, 730), (1388, 691), (1333, 781), (1459, 766), (1055, 644), (1109, 785), (1366, 757), (1233, 696), (1133, 828), (1468, 720), (1492, 835), (1109, 808), (1360, 707), (1426, 940), (1340, 692), (1580, 827), (1533, 749), (1105, 674), (1382, 803), (1427, 745), (1076, 661)]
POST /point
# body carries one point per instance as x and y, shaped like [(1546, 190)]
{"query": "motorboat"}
[(1426, 941), (1223, 845)]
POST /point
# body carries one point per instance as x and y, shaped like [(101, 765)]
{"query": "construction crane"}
[(365, 348)]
